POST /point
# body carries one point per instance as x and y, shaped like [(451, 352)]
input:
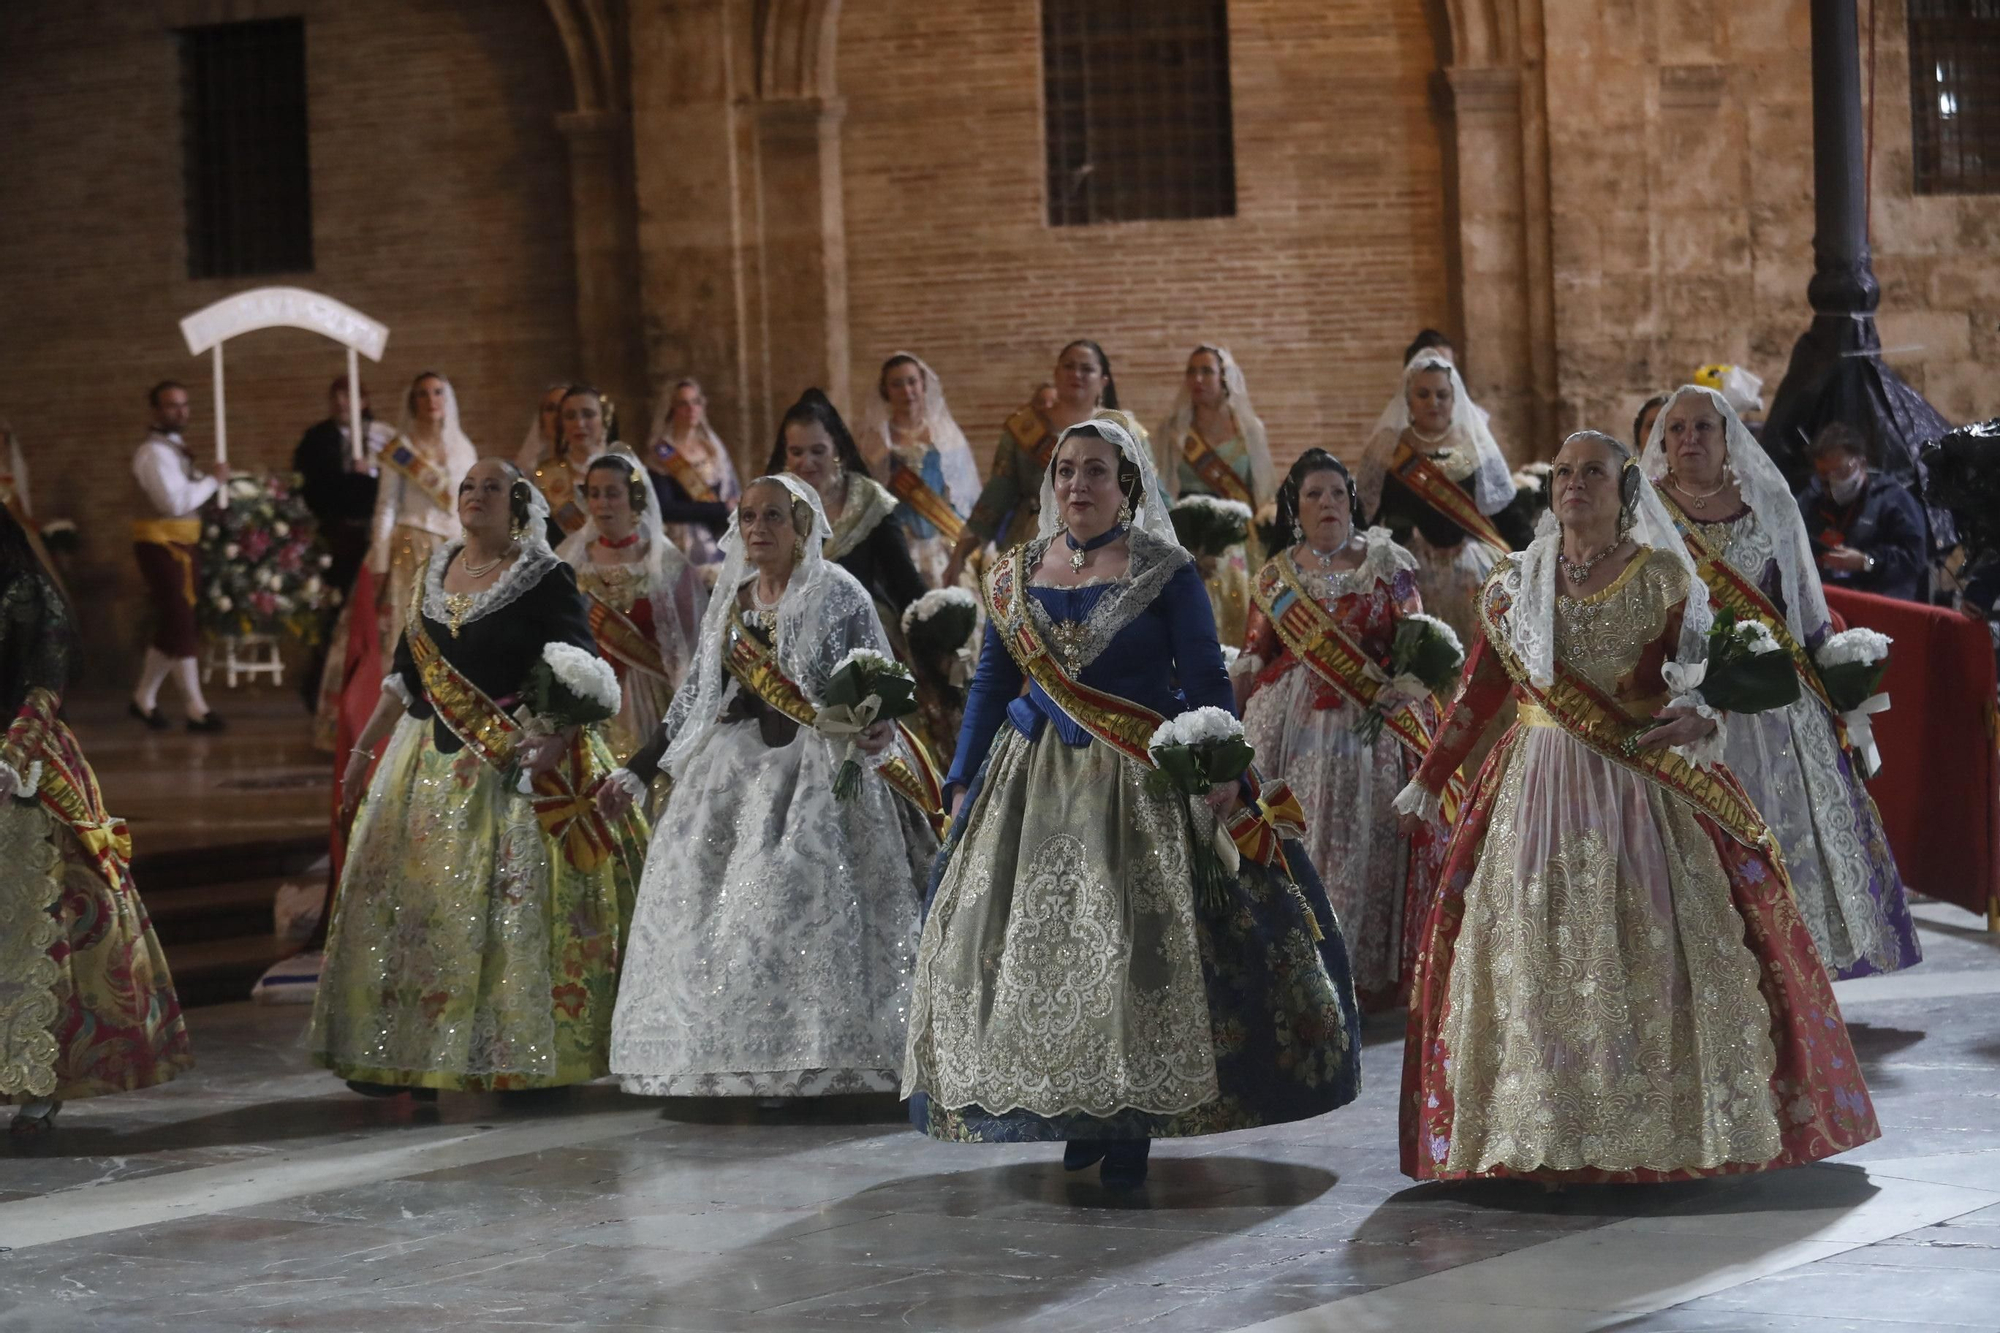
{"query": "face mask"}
[(1846, 488)]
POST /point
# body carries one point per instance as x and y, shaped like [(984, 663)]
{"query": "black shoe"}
[(1080, 1153), (209, 721), (391, 1090), (1125, 1164), (156, 720)]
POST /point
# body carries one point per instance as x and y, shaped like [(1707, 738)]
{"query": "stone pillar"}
[(742, 247), (803, 241), (1494, 222), (606, 304)]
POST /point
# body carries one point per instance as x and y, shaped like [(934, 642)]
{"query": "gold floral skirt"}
[(1227, 578), (466, 949), (1604, 1009), (87, 1006)]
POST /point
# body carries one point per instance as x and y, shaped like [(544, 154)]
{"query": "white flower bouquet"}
[(570, 686), (1747, 671), (1198, 750), (1425, 658), (1851, 666), (1209, 525), (865, 688)]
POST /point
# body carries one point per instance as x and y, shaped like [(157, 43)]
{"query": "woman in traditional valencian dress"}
[(476, 934), (692, 474), (646, 600), (771, 948), (1006, 512), (1744, 530), (1321, 630), (1614, 982), (1434, 477), (814, 446), (913, 446), (1073, 982), (87, 1007), (1213, 444), (544, 430), (415, 506), (585, 423)]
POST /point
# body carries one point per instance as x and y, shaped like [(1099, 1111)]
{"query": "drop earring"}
[(1298, 531), (1124, 512)]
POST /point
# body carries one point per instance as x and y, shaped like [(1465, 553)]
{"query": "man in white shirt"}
[(165, 546)]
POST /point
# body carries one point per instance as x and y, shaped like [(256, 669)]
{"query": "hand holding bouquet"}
[(1425, 658), (1851, 666), (1747, 670), (1192, 754), (566, 687), (865, 688)]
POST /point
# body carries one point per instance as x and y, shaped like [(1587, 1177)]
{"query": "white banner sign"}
[(284, 308)]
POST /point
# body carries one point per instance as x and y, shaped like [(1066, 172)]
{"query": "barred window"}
[(243, 144), (1955, 95), (1136, 110)]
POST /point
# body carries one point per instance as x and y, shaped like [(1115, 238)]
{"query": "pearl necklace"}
[(1698, 501), (481, 571)]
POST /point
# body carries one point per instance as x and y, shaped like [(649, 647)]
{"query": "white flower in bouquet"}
[(1225, 508), (1438, 627), (869, 660), (584, 674), (211, 532), (231, 550), (1196, 727), (1859, 644), (936, 601), (312, 586), (223, 603), (1756, 636), (1229, 656), (283, 603), (326, 562), (281, 529)]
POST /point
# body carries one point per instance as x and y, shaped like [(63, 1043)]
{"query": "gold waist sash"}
[(167, 531)]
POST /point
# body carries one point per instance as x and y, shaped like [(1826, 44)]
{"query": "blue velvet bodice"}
[(1166, 658)]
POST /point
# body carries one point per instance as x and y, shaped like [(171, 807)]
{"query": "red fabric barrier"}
[(1939, 788)]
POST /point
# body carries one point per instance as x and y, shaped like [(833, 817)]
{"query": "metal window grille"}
[(243, 128), (1955, 95), (1136, 110)]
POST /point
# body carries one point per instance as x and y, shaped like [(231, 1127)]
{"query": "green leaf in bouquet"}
[(1743, 682), (1421, 650), (1850, 684), (1182, 768), (1227, 761), (547, 697)]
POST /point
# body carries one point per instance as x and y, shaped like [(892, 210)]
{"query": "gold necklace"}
[(1698, 501)]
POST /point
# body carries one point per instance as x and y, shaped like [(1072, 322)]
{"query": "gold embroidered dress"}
[(87, 1006), (476, 937), (1614, 982)]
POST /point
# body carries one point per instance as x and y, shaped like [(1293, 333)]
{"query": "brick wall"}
[(1335, 257), (1682, 207), (440, 208)]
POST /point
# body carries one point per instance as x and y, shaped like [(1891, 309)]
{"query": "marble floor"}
[(259, 1194)]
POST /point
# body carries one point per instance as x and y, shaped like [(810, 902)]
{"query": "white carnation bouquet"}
[(1851, 666), (865, 688), (568, 686), (1425, 658), (1192, 753), (1747, 671)]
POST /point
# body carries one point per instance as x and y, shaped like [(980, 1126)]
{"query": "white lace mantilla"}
[(514, 582)]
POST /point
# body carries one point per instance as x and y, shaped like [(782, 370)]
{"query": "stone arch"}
[(586, 32), (796, 41)]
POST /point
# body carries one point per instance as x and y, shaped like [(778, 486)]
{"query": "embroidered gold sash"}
[(1032, 434), (755, 666), (1214, 470), (675, 464), (1257, 829), (1120, 723), (1580, 709), (909, 486), (1314, 637), (1731, 591), (1429, 483), (422, 471), (560, 491), (561, 797), (621, 641)]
